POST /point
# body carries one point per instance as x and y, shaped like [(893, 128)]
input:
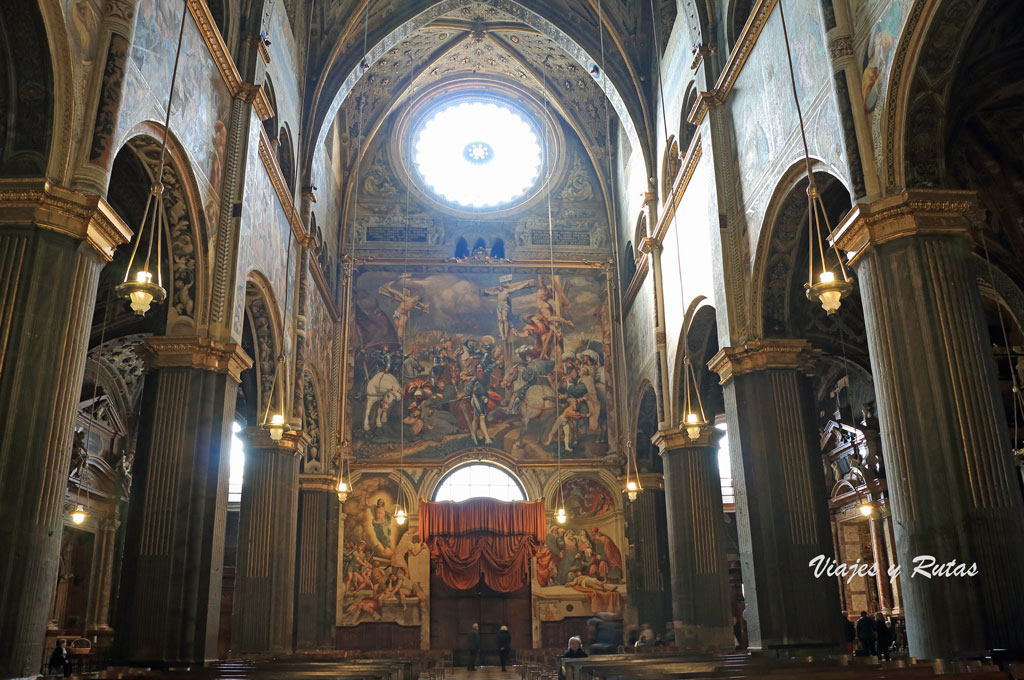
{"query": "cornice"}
[(689, 165), (649, 481), (258, 439), (88, 218), (676, 439), (225, 63), (914, 212), (737, 60), (194, 352), (764, 354), (281, 188)]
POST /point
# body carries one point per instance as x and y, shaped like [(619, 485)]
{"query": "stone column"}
[(647, 581), (53, 243), (169, 599), (701, 610), (263, 618), (890, 551), (944, 435), (882, 562), (102, 576), (781, 510), (316, 581)]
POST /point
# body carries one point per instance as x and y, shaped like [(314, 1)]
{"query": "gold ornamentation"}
[(693, 154), (258, 439), (841, 47), (194, 352), (89, 218), (328, 483), (675, 438), (764, 354)]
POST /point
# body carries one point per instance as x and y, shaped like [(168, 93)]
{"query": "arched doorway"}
[(453, 611)]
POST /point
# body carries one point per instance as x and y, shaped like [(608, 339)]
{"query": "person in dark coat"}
[(575, 650), (866, 634), (849, 634), (884, 637), (474, 646), (504, 645), (61, 658)]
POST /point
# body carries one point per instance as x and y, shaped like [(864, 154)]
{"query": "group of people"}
[(870, 636), (504, 646)]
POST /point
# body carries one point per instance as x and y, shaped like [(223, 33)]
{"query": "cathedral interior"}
[(329, 328)]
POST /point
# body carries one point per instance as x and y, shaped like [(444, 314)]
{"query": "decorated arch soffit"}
[(499, 38), (266, 332)]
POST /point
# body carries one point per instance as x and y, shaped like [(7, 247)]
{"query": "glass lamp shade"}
[(829, 291), (78, 514), (141, 292), (693, 426), (865, 509), (342, 491), (631, 490), (276, 427), (401, 516), (560, 516)]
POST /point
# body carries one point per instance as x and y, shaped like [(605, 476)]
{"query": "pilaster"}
[(944, 436), (263, 619), (169, 599), (53, 244), (782, 512), (316, 581), (701, 610)]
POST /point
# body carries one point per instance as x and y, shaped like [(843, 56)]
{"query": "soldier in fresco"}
[(479, 391)]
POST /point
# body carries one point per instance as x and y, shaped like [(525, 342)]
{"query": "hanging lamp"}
[(694, 420), (632, 486), (827, 288), (274, 422), (139, 288)]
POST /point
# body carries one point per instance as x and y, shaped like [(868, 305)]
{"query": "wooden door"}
[(453, 613)]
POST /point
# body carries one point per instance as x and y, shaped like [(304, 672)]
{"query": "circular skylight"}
[(478, 154)]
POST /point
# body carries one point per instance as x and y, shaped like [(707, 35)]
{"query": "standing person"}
[(504, 645), (474, 646), (884, 637), (849, 634), (61, 658), (866, 634)]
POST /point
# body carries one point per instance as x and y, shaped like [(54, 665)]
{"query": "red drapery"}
[(483, 535)]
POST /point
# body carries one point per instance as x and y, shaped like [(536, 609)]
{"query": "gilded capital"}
[(764, 354), (318, 483), (88, 218), (647, 244), (258, 439), (675, 438), (194, 352), (914, 212)]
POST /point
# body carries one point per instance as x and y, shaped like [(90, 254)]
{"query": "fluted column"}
[(316, 581), (169, 599), (701, 611), (944, 435), (53, 243), (263, 618), (648, 582), (781, 510), (102, 575)]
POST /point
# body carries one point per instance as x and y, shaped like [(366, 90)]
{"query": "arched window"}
[(461, 248), (687, 129), (479, 480), (670, 168), (285, 158), (498, 249), (628, 265), (270, 124)]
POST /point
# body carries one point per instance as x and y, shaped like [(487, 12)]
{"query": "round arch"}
[(264, 316), (479, 479)]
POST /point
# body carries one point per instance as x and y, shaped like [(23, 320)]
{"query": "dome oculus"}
[(477, 154)]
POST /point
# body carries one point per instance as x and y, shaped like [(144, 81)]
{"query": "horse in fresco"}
[(382, 390), (538, 400)]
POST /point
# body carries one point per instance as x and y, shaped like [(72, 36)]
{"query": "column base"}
[(714, 637)]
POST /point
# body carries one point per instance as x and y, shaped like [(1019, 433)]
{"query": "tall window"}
[(479, 480), (237, 463), (725, 467)]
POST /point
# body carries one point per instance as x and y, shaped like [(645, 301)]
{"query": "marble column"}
[(263, 619), (53, 244), (169, 597), (945, 443), (101, 577), (316, 581), (648, 583), (701, 609), (781, 510), (882, 563)]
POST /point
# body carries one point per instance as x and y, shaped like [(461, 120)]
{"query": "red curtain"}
[(482, 535)]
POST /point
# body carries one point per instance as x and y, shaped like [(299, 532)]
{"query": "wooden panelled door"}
[(453, 612)]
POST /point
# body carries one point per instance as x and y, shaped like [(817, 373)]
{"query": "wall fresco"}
[(581, 560), (386, 570), (511, 358)]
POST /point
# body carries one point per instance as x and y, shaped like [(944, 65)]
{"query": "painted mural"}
[(386, 569), (581, 559), (456, 357)]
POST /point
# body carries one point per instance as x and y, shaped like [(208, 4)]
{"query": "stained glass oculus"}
[(478, 154)]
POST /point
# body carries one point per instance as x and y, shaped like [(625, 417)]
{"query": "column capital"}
[(675, 438), (763, 354), (318, 483), (88, 218), (914, 212), (258, 438), (194, 352)]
